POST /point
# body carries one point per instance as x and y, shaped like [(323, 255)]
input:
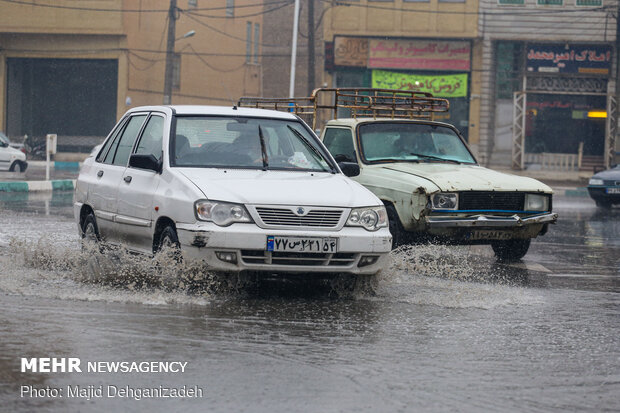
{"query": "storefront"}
[(441, 67), (562, 99)]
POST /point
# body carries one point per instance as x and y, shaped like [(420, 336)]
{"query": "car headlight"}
[(371, 218), (444, 200), (595, 181), (221, 213), (536, 202)]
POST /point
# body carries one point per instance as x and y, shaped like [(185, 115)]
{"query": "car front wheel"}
[(16, 167), (169, 243), (510, 250), (603, 204)]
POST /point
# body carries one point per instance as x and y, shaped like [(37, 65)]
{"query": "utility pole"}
[(291, 88), (170, 52), (311, 60)]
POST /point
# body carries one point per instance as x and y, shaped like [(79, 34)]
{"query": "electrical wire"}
[(507, 12), (283, 4)]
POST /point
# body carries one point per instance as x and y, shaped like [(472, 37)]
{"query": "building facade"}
[(430, 46), (549, 80), (73, 68)]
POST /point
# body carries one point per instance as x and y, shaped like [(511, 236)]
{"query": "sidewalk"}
[(62, 177)]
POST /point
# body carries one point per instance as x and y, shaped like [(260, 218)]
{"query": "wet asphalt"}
[(447, 329)]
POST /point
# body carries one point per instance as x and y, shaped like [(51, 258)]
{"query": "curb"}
[(38, 186), (571, 192)]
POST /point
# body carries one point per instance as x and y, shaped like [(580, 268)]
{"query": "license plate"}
[(302, 244), (489, 234), (613, 190)]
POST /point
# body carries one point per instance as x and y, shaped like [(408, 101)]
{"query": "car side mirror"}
[(350, 169), (143, 161), (3, 144)]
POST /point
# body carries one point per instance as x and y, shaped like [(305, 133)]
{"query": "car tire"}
[(16, 167), (510, 250), (168, 239), (603, 204), (90, 232), (399, 234)]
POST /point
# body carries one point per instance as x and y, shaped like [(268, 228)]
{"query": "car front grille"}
[(491, 200), (611, 182), (321, 218), (294, 258)]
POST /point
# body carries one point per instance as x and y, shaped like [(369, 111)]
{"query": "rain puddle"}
[(447, 276)]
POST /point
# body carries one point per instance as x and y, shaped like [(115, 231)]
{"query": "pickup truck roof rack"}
[(361, 102)]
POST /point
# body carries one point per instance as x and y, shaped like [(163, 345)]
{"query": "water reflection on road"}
[(449, 329)]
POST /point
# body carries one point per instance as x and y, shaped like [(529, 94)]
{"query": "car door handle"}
[(100, 174), (127, 179)]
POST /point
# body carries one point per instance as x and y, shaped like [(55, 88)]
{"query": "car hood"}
[(608, 174), (279, 187), (453, 177)]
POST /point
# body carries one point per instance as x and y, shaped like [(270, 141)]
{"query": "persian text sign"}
[(350, 51), (447, 86), (558, 58), (419, 54)]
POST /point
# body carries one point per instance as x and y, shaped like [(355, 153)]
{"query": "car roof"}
[(358, 120), (217, 110)]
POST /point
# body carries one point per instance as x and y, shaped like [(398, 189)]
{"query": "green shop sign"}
[(445, 86)]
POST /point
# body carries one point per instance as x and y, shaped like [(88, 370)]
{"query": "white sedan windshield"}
[(237, 142), (389, 141)]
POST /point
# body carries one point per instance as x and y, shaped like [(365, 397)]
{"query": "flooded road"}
[(448, 329)]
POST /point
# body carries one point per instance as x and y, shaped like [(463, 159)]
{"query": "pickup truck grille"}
[(293, 258), (491, 200), (323, 218)]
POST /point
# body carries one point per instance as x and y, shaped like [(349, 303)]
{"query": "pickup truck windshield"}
[(414, 142), (253, 143)]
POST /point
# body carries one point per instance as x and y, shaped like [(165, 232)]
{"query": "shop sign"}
[(419, 54), (445, 86), (350, 51), (560, 58)]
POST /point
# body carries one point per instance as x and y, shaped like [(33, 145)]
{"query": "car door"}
[(107, 175), (135, 193)]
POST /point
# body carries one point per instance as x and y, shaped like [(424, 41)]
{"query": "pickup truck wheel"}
[(510, 250), (169, 241), (399, 235)]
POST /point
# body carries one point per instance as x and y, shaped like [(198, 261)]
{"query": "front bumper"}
[(489, 221), (601, 193), (248, 242)]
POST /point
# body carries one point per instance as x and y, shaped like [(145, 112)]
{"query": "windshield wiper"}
[(437, 158), (308, 144), (263, 149)]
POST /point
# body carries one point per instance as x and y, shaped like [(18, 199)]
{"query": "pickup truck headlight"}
[(595, 181), (371, 218), (444, 200), (221, 213), (536, 202)]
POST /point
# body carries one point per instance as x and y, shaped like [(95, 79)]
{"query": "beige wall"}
[(213, 62), (416, 20)]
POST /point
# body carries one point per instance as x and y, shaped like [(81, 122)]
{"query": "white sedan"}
[(241, 189), (11, 159)]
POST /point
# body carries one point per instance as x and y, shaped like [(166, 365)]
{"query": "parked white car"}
[(11, 159), (241, 189)]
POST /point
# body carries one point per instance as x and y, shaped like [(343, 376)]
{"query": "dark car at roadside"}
[(604, 187)]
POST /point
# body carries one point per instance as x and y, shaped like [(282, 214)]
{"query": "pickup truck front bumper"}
[(490, 221)]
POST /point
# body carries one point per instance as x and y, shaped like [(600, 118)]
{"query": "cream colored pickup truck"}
[(430, 182)]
